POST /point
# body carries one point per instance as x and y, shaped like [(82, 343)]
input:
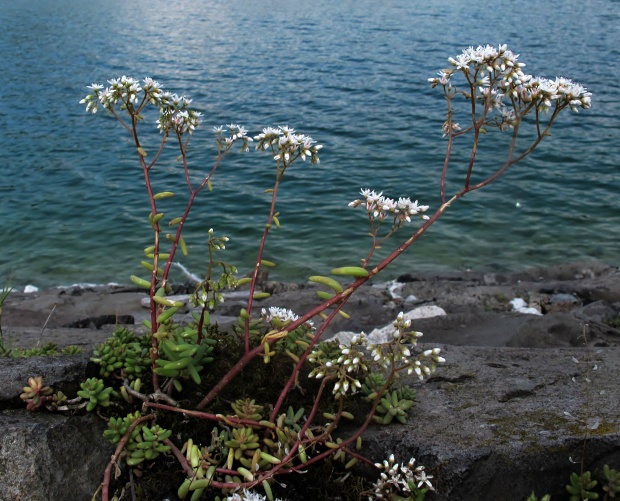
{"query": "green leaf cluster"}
[(146, 443), (611, 485), (394, 405), (583, 487), (123, 355), (183, 354), (95, 391), (246, 408), (47, 350)]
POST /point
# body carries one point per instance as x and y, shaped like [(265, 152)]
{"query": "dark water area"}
[(352, 74)]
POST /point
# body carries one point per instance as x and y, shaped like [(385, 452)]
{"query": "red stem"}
[(119, 450), (446, 162), (302, 360), (259, 257)]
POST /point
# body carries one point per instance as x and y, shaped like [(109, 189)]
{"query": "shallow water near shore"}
[(351, 74)]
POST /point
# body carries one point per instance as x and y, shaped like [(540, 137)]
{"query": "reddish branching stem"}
[(105, 485)]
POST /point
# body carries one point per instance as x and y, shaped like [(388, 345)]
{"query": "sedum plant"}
[(190, 369), (583, 486), (611, 483)]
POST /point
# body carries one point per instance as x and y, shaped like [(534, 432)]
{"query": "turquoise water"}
[(353, 74)]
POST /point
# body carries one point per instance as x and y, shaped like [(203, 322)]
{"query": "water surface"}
[(353, 74)]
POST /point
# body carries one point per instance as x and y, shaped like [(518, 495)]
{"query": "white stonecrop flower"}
[(575, 94), (351, 357), (350, 361), (180, 121), (287, 144), (92, 99), (247, 495), (380, 207), (487, 58), (494, 73), (398, 479), (282, 316), (237, 133), (174, 113), (449, 128), (124, 89), (397, 353), (153, 91)]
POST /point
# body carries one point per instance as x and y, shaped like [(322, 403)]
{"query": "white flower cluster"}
[(500, 59), (287, 145), (124, 89), (400, 480), (497, 74), (379, 207), (173, 109), (180, 121), (394, 354), (350, 361), (247, 495), (546, 91), (398, 353), (449, 128), (281, 317), (237, 133)]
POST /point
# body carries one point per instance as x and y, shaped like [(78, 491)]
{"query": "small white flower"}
[(424, 479)]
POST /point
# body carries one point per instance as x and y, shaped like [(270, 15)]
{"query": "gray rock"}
[(554, 329), (476, 328), (62, 373), (45, 456), (384, 334), (50, 457), (89, 307), (598, 311), (492, 424), (561, 302)]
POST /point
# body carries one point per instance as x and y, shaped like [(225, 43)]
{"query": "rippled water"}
[(353, 75)]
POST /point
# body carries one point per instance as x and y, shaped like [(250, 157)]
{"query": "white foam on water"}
[(187, 273)]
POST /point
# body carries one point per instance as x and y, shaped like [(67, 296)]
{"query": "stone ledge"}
[(491, 423)]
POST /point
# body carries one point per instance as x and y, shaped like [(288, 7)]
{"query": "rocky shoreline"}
[(479, 308), (517, 402)]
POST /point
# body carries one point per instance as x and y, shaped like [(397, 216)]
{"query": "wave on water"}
[(30, 289), (191, 276)]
